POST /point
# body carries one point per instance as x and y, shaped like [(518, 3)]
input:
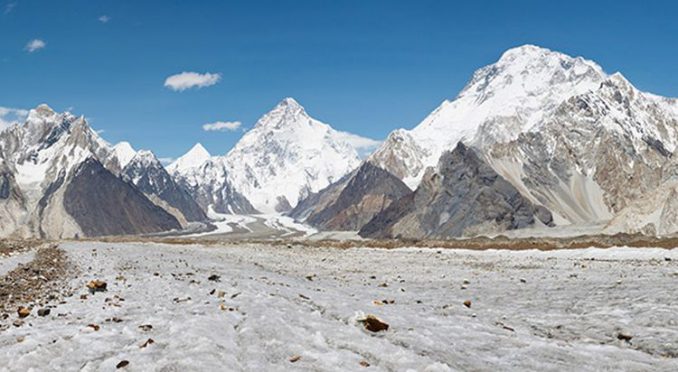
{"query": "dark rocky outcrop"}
[(103, 204), (464, 197), (149, 176), (352, 202), (5, 187)]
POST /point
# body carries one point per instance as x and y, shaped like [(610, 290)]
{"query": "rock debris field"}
[(139, 307)]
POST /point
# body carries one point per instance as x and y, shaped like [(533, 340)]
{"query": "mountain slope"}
[(352, 202), (594, 155), (206, 179), (95, 195), (500, 101), (150, 177), (463, 197), (41, 159)]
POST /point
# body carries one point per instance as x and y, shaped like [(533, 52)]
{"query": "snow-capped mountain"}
[(501, 101), (283, 158), (55, 183), (194, 158), (206, 179), (146, 172), (286, 156), (585, 145)]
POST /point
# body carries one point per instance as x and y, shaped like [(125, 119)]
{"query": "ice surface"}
[(530, 310)]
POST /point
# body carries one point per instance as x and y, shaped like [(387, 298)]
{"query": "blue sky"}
[(363, 66)]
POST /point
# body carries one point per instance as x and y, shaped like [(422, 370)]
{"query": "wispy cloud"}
[(35, 45), (9, 7), (8, 116), (361, 144), (104, 19), (222, 126), (187, 80), (166, 161)]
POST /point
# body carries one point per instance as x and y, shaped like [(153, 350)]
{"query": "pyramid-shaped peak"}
[(285, 113), (43, 108), (198, 151), (41, 113), (195, 157), (289, 101)]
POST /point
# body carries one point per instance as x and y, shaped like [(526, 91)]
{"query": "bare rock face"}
[(103, 204), (352, 202), (464, 197), (149, 176), (596, 154)]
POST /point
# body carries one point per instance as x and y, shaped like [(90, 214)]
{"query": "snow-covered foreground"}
[(529, 310)]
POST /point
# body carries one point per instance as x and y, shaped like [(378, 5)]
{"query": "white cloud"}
[(361, 144), (8, 116), (222, 126), (104, 19), (35, 45), (187, 80), (166, 161)]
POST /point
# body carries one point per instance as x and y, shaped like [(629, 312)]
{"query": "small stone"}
[(145, 327), (97, 286), (150, 341), (122, 364), (374, 324), (214, 278), (522, 280), (83, 296), (43, 312), (364, 363), (295, 358), (23, 311), (95, 327), (221, 294), (466, 281), (18, 323), (624, 336), (310, 277), (383, 285), (467, 303)]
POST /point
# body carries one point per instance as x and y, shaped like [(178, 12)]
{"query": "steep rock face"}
[(12, 205), (594, 155), (353, 201), (148, 175), (464, 197), (103, 204)]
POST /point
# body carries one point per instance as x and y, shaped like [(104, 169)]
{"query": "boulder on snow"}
[(374, 324)]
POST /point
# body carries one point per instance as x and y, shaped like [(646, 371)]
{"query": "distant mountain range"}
[(535, 140)]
